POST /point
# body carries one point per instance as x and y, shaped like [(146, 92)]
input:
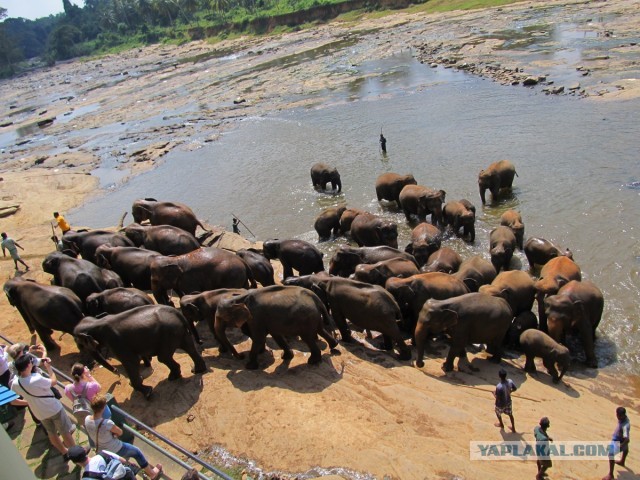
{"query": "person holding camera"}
[(36, 390)]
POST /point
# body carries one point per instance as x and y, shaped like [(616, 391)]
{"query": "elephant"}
[(389, 185), (200, 307), (277, 310), (513, 220), (81, 276), (132, 264), (539, 251), (469, 318), (164, 239), (556, 273), (516, 287), (44, 308), (321, 174), (347, 217), (576, 307), (444, 260), (425, 240), (306, 281), (166, 213), (141, 333), (378, 273), (294, 254), (475, 272), (368, 306), (411, 293), (502, 244), (498, 175), (85, 244), (535, 343), (422, 201), (524, 321), (369, 230), (460, 214), (259, 265), (346, 258), (116, 300), (328, 221), (204, 269)]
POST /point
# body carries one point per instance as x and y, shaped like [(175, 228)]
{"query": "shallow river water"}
[(577, 163)]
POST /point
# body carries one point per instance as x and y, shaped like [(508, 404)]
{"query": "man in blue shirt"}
[(619, 441), (503, 399)]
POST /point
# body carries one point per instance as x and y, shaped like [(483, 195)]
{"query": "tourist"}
[(96, 466), (190, 475), (11, 245), (542, 439), (619, 441), (503, 399), (84, 385), (36, 390), (104, 435)]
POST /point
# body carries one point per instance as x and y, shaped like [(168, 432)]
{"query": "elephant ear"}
[(561, 280), (450, 318), (240, 314), (87, 341), (579, 313)]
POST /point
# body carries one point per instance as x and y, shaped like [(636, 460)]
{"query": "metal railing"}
[(156, 434)]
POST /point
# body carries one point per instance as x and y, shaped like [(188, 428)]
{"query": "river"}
[(577, 163)]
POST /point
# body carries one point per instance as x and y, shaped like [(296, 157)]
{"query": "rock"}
[(46, 122), (433, 65), (6, 211), (239, 100), (530, 81), (574, 86)]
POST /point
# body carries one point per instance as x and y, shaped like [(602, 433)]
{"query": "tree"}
[(63, 40)]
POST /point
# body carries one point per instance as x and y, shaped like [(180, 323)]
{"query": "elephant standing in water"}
[(321, 174), (425, 240), (555, 274), (470, 318), (141, 333), (44, 308), (516, 287), (497, 176), (378, 273), (369, 230), (277, 310), (461, 214), (347, 218), (328, 221), (502, 244), (475, 272), (294, 254), (539, 251), (166, 213), (422, 201), (347, 258), (444, 259), (577, 307), (389, 185), (513, 220)]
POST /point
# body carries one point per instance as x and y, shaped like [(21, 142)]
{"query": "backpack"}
[(115, 470), (81, 407)]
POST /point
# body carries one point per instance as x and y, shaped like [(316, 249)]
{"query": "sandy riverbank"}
[(361, 410)]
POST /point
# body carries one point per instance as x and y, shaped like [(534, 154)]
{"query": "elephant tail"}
[(322, 308), (250, 278)]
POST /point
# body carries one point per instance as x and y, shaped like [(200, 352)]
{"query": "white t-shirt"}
[(36, 384), (4, 361), (96, 465)]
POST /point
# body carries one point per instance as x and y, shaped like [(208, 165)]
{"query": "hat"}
[(77, 454), (23, 362)]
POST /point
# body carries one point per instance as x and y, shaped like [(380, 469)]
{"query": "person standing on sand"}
[(542, 439), (503, 399), (619, 441), (62, 223), (11, 245)]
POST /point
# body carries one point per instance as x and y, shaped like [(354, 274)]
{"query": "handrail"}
[(171, 443)]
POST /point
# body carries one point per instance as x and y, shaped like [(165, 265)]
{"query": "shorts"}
[(14, 255), (507, 409), (545, 463), (616, 447), (60, 423)]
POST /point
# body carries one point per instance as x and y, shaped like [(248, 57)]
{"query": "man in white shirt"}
[(36, 390)]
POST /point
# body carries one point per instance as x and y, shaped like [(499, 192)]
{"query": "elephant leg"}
[(194, 332), (586, 336), (287, 270), (174, 367), (287, 353), (530, 364), (258, 340), (316, 354), (332, 342), (341, 323), (542, 316), (132, 367), (550, 365), (45, 335), (447, 366), (146, 361), (189, 346)]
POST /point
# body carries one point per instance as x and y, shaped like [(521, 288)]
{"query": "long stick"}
[(244, 224)]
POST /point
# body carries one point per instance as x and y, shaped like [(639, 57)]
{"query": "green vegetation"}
[(107, 26)]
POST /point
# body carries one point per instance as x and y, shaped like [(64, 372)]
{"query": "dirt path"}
[(362, 410)]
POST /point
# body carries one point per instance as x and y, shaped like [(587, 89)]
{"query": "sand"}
[(361, 411)]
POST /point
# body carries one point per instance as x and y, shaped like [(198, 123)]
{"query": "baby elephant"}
[(535, 343)]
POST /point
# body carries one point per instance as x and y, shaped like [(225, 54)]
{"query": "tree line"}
[(105, 25)]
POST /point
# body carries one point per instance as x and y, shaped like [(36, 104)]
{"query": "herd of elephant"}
[(422, 292)]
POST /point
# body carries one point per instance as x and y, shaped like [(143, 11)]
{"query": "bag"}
[(115, 470), (56, 393), (81, 407)]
